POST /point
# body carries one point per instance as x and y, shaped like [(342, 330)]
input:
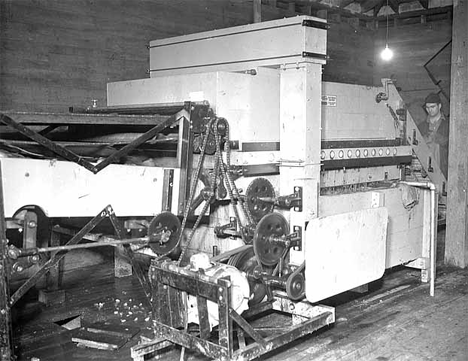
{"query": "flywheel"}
[(271, 227), (163, 233)]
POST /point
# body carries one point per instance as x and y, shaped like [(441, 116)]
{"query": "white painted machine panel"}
[(65, 189), (350, 112), (250, 103), (405, 231), (344, 251), (270, 43)]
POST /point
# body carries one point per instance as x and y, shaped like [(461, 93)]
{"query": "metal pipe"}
[(94, 244), (432, 188)]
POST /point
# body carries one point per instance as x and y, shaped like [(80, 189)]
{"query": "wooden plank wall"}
[(60, 53), (413, 46), (55, 53), (351, 52)]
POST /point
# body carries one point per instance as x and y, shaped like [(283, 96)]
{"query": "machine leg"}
[(53, 295), (53, 278)]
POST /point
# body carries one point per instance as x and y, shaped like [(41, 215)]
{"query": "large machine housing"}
[(304, 188)]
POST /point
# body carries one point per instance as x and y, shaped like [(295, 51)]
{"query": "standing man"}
[(435, 131)]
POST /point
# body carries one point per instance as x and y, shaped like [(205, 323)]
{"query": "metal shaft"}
[(32, 251)]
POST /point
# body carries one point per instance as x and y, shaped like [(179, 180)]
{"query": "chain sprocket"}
[(258, 188)]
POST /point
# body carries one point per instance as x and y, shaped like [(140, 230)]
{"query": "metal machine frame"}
[(169, 282)]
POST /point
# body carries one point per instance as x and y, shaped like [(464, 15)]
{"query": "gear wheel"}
[(259, 187)]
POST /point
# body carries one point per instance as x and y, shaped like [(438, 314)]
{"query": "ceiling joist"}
[(424, 4), (394, 5), (377, 8), (345, 3), (368, 5), (362, 11)]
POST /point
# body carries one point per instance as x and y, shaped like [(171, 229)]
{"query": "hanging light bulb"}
[(387, 53)]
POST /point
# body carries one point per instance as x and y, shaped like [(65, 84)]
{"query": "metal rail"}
[(71, 156)]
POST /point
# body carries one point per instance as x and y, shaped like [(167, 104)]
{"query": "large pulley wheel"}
[(257, 189), (272, 226), (163, 233), (295, 286), (245, 261)]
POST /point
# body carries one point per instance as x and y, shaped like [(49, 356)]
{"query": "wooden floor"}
[(396, 320)]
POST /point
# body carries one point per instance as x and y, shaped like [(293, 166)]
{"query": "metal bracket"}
[(415, 140), (293, 240), (307, 54), (296, 238), (168, 185), (429, 166), (254, 170), (227, 230), (292, 200), (315, 24)]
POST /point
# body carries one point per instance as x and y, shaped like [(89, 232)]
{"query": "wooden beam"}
[(424, 4), (257, 11), (456, 243), (345, 3), (314, 5), (394, 5), (409, 14), (369, 5), (377, 8)]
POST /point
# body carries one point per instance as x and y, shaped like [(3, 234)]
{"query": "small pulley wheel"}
[(295, 286), (163, 233), (272, 226), (210, 147), (245, 261), (259, 188)]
